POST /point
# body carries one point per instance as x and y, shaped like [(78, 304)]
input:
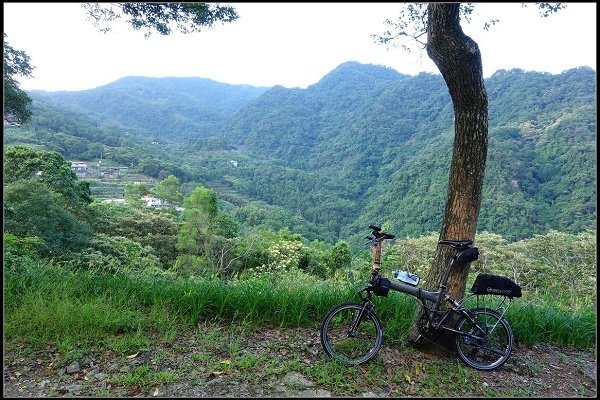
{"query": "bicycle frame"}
[(422, 295)]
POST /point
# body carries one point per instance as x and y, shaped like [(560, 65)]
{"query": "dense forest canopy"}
[(321, 160)]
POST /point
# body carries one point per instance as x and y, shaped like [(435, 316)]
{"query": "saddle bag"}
[(466, 256), (494, 284)]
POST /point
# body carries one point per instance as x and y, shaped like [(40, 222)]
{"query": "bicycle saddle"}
[(457, 244)]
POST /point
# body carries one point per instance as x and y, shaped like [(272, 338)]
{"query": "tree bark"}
[(458, 58)]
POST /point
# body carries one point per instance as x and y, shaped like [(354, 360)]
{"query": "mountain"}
[(363, 145), (390, 141), (165, 108)]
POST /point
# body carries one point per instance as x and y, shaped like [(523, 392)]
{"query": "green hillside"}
[(390, 145), (364, 144), (163, 108)]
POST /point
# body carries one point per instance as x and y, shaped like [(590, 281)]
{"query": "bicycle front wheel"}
[(350, 335), (484, 343)]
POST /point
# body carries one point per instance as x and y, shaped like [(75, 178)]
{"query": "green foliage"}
[(256, 245), (226, 225), (553, 263), (44, 198), (158, 109), (134, 192), (288, 255), (187, 17), (357, 144), (79, 135), (18, 249), (44, 302), (31, 209), (284, 256), (50, 169), (259, 215), (116, 254), (323, 260), (144, 225), (315, 259), (168, 189), (207, 237), (203, 204), (340, 256), (16, 101), (190, 265), (200, 213)]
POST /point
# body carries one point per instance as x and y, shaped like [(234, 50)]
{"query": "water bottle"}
[(406, 277)]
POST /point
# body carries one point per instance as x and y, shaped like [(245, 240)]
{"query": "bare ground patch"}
[(221, 361)]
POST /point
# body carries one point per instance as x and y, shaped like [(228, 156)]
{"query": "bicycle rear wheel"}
[(348, 340), (494, 342)]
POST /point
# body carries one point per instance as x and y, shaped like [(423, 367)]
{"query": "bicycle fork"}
[(364, 311)]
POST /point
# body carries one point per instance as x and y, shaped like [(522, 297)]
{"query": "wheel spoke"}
[(485, 342), (348, 337)]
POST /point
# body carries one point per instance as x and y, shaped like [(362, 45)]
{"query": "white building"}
[(152, 201), (78, 166)]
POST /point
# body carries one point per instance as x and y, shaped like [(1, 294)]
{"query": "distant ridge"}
[(363, 144)]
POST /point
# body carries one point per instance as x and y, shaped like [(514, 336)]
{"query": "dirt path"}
[(218, 361)]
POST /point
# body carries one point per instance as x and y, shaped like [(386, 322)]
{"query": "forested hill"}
[(364, 144), (388, 137), (164, 108)]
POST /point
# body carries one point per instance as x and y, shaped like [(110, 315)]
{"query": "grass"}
[(48, 305), (534, 322), (145, 377), (263, 356)]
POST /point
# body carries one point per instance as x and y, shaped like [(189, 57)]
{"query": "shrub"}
[(18, 248), (117, 254)]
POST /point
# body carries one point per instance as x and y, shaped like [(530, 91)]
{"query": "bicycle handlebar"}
[(378, 234)]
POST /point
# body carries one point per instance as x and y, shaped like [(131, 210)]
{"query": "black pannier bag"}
[(494, 284), (382, 287), (469, 255)]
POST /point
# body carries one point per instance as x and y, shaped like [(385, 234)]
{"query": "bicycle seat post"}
[(376, 253)]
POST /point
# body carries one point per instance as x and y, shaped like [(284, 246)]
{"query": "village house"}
[(78, 166), (153, 202)]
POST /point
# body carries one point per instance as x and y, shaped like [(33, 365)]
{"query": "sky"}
[(288, 44)]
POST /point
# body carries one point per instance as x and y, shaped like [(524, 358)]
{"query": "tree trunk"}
[(458, 58)]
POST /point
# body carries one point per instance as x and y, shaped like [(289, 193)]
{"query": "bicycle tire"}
[(354, 349), (491, 352)]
